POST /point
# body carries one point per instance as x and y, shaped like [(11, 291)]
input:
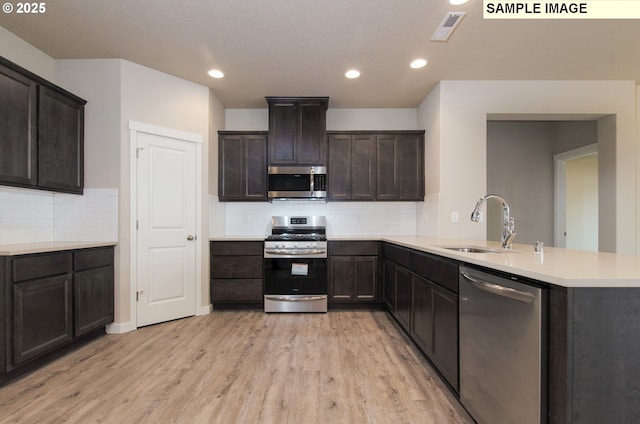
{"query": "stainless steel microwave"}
[(297, 182)]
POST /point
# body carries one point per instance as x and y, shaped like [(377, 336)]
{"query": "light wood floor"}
[(240, 367)]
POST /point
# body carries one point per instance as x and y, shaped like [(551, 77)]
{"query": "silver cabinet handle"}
[(500, 290), (191, 238)]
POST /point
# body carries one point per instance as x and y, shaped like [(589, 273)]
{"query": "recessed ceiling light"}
[(352, 73), (457, 2), (418, 63), (215, 73)]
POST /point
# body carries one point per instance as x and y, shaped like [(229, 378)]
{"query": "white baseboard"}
[(204, 310), (121, 327)]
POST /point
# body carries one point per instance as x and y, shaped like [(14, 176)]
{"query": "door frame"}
[(560, 189), (136, 128)]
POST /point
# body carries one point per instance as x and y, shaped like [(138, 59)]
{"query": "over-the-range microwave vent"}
[(446, 27)]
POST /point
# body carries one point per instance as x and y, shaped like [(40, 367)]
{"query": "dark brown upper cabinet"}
[(297, 130), (375, 165), (41, 132), (18, 128), (401, 166), (242, 166), (351, 167)]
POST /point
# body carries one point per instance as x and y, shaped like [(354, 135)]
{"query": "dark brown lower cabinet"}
[(434, 326), (93, 299), (93, 292), (389, 284), (403, 296), (236, 273), (51, 302), (42, 316), (354, 272)]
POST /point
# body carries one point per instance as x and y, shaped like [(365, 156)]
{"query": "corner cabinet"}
[(51, 302), (41, 132), (379, 165), (297, 130), (242, 166)]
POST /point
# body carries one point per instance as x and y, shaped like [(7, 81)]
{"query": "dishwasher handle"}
[(514, 294)]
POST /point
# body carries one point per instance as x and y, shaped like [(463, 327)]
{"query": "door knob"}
[(191, 238)]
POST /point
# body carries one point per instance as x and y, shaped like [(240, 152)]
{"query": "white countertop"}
[(50, 246), (562, 267)]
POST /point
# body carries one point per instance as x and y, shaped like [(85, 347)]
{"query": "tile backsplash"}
[(31, 216), (343, 218)]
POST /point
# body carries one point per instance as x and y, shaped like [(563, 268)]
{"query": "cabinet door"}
[(363, 167), (444, 342), (366, 279), (255, 167), (93, 299), (389, 284), (18, 129), (42, 316), (341, 279), (242, 167), (339, 167), (421, 315), (60, 142), (387, 178), (410, 167), (283, 131), (231, 167), (312, 141), (403, 297), (400, 167)]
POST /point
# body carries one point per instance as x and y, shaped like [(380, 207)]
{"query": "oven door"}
[(295, 285)]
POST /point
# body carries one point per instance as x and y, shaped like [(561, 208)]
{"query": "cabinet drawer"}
[(354, 248), (29, 267), (92, 258), (236, 267), (435, 270), (237, 248), (239, 290)]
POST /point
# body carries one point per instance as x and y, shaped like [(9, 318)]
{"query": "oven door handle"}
[(295, 299), (295, 252)]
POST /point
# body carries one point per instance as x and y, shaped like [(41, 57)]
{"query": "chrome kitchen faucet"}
[(508, 223)]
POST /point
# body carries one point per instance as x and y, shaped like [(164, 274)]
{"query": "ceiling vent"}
[(446, 27)]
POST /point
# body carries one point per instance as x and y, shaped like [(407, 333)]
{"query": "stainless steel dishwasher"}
[(502, 345)]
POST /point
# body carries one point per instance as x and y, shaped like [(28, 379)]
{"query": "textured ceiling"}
[(304, 47)]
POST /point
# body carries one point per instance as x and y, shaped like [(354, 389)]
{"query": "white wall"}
[(462, 117), (98, 82), (156, 98), (337, 119), (24, 54)]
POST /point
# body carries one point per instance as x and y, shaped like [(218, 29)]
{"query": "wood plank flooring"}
[(240, 367)]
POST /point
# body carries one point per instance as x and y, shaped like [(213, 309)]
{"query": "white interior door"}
[(166, 222), (576, 199)]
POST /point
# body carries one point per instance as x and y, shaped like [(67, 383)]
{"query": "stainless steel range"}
[(295, 265)]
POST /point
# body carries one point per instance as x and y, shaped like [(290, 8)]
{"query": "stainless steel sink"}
[(472, 249)]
